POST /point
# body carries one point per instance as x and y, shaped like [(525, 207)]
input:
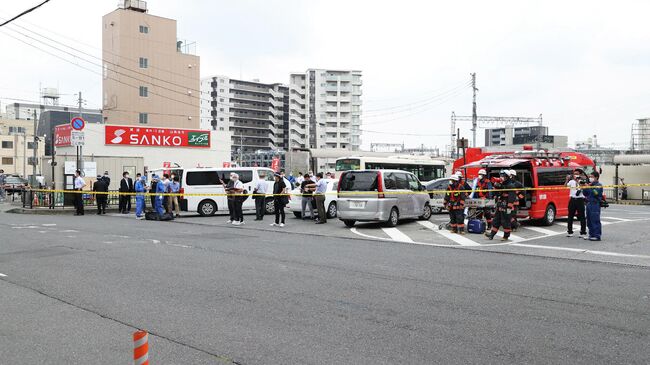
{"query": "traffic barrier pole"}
[(141, 348)]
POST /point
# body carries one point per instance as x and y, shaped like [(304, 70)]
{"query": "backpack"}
[(243, 196)]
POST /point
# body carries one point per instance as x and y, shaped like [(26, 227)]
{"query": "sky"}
[(583, 65)]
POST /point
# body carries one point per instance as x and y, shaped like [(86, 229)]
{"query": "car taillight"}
[(380, 186), (182, 191)]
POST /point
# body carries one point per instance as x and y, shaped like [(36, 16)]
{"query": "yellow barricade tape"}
[(342, 193)]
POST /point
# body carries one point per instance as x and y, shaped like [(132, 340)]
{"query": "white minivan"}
[(202, 189)]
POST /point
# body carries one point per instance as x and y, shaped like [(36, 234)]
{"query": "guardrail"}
[(56, 199)]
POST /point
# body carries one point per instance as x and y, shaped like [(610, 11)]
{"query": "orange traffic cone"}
[(141, 348)]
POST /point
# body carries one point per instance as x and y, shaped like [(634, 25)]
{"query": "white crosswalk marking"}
[(617, 219), (545, 231), (512, 237), (461, 240), (397, 235)]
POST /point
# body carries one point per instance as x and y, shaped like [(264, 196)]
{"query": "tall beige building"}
[(149, 78)]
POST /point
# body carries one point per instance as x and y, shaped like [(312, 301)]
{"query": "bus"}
[(426, 169), (537, 169)]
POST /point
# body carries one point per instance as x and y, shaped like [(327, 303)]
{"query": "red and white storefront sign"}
[(155, 136), (62, 135)]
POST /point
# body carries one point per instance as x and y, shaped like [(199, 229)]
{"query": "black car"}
[(437, 198), (15, 184)]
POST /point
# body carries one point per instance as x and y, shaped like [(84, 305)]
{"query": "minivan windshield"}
[(359, 181)]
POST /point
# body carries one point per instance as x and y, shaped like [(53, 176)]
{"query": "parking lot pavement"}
[(623, 229)]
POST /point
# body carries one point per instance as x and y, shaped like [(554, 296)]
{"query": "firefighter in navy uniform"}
[(482, 190), (455, 203), (519, 200), (505, 198)]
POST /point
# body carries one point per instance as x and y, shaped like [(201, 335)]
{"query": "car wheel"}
[(549, 215), (297, 215), (331, 210), (393, 218), (207, 208), (349, 223), (270, 206), (427, 213)]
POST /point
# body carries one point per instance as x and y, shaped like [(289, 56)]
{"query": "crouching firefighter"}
[(455, 203), (505, 198)]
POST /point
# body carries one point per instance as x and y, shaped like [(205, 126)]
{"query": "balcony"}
[(250, 107), (250, 97), (238, 86)]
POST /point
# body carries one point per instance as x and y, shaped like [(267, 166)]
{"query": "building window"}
[(31, 145), (7, 161), (144, 29), (221, 100), (144, 91), (7, 144), (221, 90), (144, 62), (144, 118), (220, 109), (16, 130)]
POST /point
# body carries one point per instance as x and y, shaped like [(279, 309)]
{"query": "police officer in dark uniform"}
[(593, 193), (519, 199), (504, 207), (455, 203)]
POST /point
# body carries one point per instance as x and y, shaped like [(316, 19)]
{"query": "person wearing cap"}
[(482, 190), (519, 199), (280, 200), (455, 203), (107, 178), (140, 189), (101, 186), (593, 191), (160, 190), (505, 198), (576, 204)]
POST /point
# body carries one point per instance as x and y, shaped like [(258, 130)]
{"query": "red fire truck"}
[(536, 169), (480, 153)]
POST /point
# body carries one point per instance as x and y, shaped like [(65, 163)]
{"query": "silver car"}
[(381, 196)]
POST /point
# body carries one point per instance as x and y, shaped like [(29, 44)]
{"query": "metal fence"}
[(57, 200)]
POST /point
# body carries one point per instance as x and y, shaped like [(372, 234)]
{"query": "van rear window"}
[(359, 181)]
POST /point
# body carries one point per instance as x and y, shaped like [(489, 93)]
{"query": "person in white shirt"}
[(237, 190), (299, 179), (79, 184), (320, 188), (261, 189), (576, 205)]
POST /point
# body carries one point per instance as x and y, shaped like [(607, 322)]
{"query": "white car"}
[(295, 204)]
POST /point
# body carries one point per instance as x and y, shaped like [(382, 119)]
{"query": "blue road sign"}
[(77, 123)]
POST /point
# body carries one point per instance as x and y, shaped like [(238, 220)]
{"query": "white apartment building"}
[(256, 114), (325, 109)]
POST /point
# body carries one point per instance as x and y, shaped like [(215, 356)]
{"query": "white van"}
[(204, 182)]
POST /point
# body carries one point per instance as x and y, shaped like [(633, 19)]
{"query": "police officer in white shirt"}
[(79, 184), (261, 189), (576, 205), (319, 198)]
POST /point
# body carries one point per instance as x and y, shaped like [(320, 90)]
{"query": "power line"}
[(24, 12), (405, 134), (462, 84)]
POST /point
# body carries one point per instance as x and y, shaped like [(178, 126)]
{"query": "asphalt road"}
[(76, 289)]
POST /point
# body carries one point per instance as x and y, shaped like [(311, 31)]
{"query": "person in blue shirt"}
[(140, 189), (593, 193), (161, 188)]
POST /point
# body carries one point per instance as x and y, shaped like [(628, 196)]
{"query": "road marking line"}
[(2, 275), (617, 219), (48, 224), (69, 231), (397, 235), (461, 240), (580, 250), (545, 231)]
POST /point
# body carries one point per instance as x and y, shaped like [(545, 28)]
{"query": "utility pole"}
[(79, 148), (241, 147), (474, 117), (35, 149)]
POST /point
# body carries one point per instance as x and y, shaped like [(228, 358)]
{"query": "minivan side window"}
[(389, 181), (414, 184), (202, 178), (401, 181)]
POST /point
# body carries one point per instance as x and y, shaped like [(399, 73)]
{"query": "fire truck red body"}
[(535, 169)]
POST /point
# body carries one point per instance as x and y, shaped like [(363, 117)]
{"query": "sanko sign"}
[(62, 135), (163, 137)]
